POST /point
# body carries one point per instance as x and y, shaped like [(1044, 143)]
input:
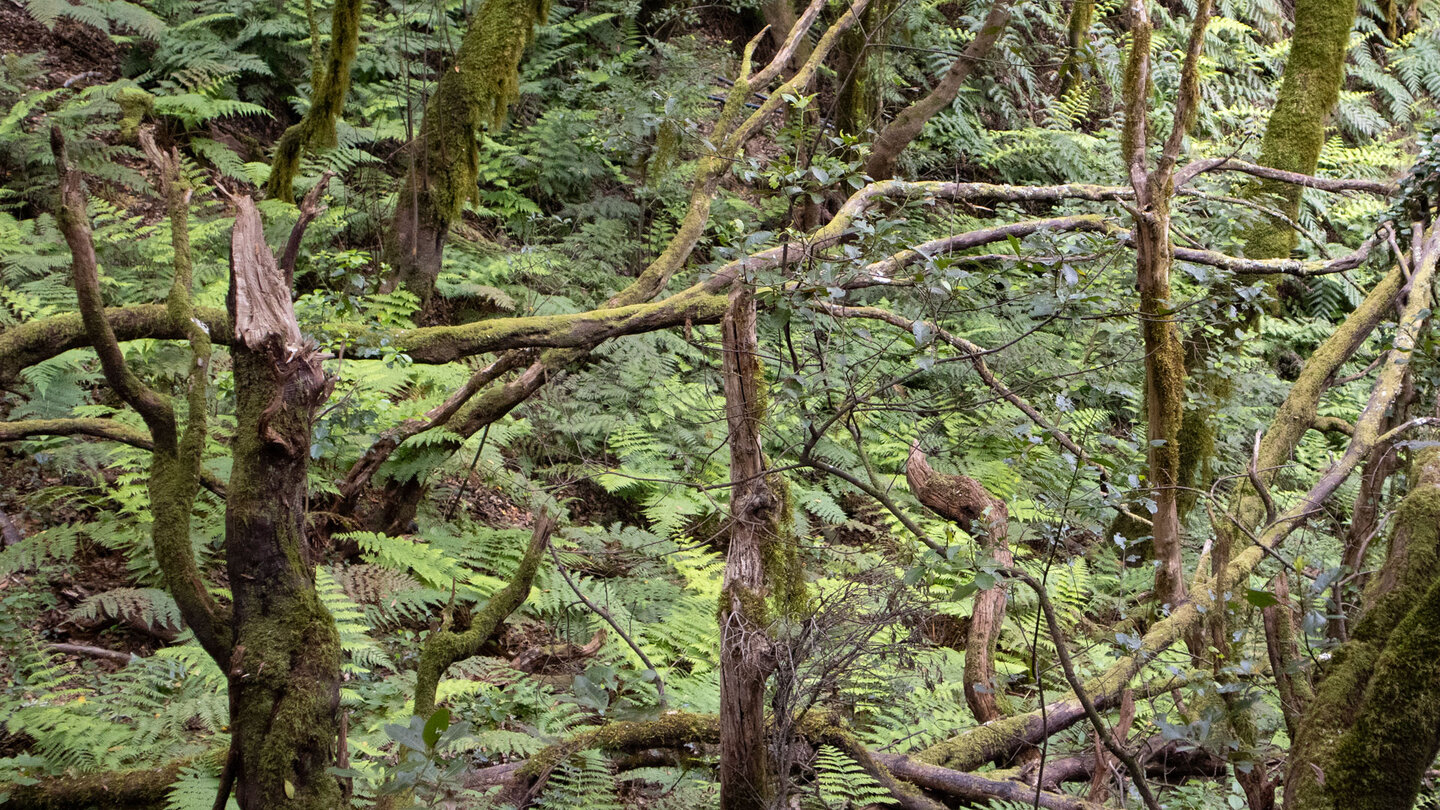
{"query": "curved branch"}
[(906, 126), (443, 647), (74, 224), (98, 428), (976, 356), (1334, 185)]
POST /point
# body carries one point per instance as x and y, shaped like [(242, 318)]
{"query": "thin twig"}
[(610, 620)]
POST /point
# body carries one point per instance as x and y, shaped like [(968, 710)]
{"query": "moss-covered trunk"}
[(284, 671), (1294, 135), (1295, 131), (1076, 30), (859, 69), (330, 86), (473, 93), (1374, 726)]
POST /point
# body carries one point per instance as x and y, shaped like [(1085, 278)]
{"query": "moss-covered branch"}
[(331, 84), (1293, 418), (175, 459), (444, 647)]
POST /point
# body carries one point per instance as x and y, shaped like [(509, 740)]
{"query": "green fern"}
[(841, 784)]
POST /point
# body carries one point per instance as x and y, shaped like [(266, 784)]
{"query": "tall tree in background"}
[(474, 92)]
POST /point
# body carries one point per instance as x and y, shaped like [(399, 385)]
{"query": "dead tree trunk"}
[(284, 670), (745, 655)]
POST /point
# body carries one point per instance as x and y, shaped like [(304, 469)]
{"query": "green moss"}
[(1295, 133), (1354, 748), (331, 85), (135, 104), (474, 94), (443, 648), (670, 730), (1077, 28)]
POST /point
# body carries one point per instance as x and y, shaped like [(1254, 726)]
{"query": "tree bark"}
[(1374, 726), (284, 672), (906, 127), (745, 654)]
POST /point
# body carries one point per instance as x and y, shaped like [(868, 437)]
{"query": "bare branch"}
[(99, 428), (1335, 185)]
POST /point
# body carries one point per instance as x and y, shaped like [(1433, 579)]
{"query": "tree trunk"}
[(1354, 749), (473, 93), (1295, 131), (1164, 396), (1294, 135), (859, 62), (745, 655), (1077, 29), (284, 671)]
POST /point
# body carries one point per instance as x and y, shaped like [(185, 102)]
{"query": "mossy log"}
[(115, 790)]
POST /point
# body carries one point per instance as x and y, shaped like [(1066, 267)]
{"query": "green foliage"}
[(841, 783), (586, 779)]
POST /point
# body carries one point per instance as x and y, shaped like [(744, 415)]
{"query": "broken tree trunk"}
[(284, 670)]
